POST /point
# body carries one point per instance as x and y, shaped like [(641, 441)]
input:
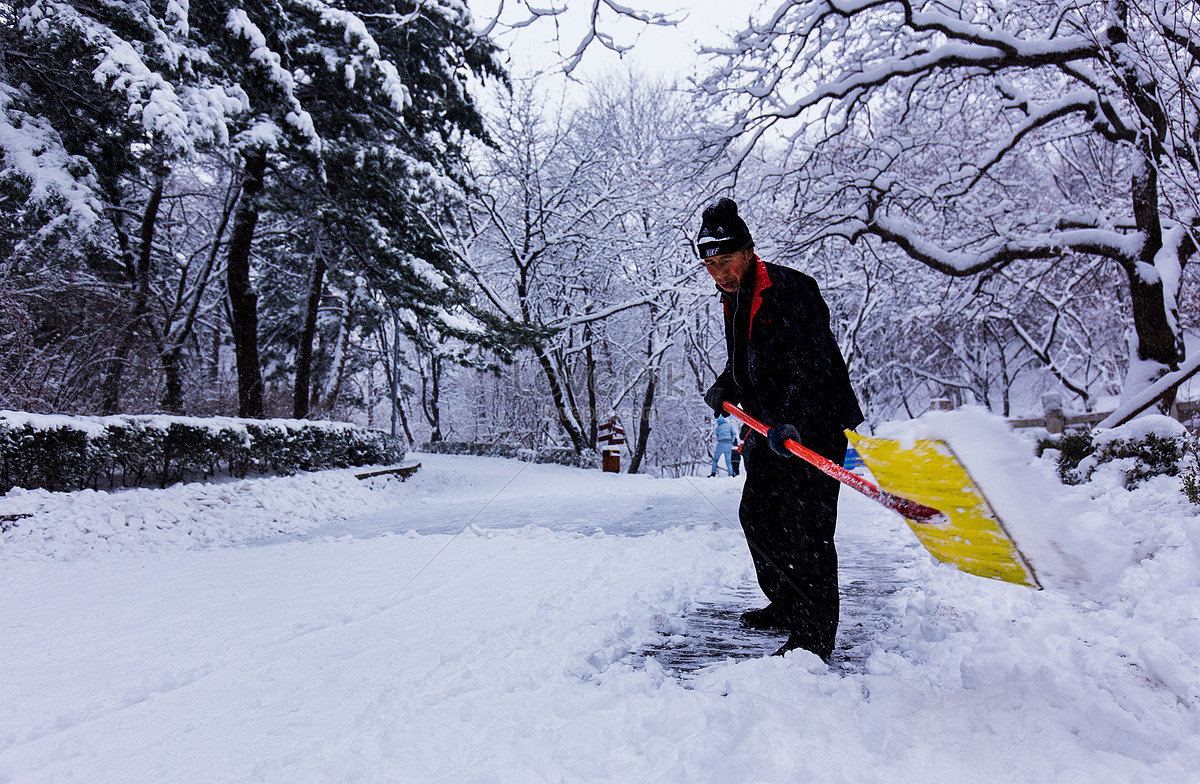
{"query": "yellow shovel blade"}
[(974, 539)]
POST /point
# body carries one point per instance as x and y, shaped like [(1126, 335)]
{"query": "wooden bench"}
[(404, 472)]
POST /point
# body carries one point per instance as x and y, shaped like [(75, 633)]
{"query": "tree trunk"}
[(404, 423), (243, 301), (639, 451), (111, 385), (214, 367), (1156, 341), (431, 390), (1005, 380), (171, 357), (393, 367), (172, 365), (560, 403), (590, 367), (304, 355), (341, 355)]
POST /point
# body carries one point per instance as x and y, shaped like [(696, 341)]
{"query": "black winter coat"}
[(789, 369)]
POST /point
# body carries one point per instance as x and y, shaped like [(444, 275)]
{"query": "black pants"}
[(789, 513)]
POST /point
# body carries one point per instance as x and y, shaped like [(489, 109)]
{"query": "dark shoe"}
[(710, 476), (805, 641), (770, 617)]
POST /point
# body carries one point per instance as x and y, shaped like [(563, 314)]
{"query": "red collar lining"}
[(762, 282)]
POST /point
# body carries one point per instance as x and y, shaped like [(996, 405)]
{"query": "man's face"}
[(728, 269)]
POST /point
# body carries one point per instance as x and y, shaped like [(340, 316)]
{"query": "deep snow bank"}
[(90, 524)]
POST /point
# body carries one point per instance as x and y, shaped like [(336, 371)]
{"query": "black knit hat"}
[(722, 230)]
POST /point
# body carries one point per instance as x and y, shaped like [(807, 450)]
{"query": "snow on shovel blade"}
[(972, 538)]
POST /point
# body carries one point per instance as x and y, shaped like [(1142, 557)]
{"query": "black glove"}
[(777, 435), (715, 397)]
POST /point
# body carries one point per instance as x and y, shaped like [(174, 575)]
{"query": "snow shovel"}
[(935, 494)]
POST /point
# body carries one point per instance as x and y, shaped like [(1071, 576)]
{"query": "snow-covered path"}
[(481, 623)]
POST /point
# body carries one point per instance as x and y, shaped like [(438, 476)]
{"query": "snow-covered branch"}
[(599, 23), (33, 152), (1143, 400), (999, 253)]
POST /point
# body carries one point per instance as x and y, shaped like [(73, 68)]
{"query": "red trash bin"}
[(612, 437)]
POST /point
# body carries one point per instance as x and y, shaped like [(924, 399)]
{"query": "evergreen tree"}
[(370, 97), (351, 115)]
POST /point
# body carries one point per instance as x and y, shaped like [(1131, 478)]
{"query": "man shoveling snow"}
[(784, 366)]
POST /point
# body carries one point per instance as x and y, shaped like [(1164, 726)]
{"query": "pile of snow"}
[(1072, 543), (91, 524)]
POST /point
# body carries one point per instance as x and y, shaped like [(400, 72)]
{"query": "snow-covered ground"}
[(483, 622)]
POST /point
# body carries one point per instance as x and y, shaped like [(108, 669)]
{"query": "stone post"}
[(1056, 422)]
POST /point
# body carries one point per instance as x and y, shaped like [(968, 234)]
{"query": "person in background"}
[(724, 448), (737, 450), (784, 368)]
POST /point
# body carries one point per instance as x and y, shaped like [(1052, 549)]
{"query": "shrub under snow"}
[(72, 453)]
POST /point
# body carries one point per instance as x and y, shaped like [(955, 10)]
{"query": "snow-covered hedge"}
[(568, 457), (477, 449), (559, 455), (72, 453), (1147, 447)]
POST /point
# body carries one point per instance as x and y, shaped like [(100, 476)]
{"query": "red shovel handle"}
[(906, 506)]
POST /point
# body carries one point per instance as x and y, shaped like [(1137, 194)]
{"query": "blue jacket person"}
[(725, 443), (784, 367)]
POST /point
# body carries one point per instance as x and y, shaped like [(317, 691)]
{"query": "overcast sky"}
[(666, 51)]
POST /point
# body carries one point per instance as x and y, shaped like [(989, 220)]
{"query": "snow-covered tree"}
[(981, 137), (574, 239), (524, 232), (373, 97), (652, 284), (100, 101), (911, 334), (347, 115)]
